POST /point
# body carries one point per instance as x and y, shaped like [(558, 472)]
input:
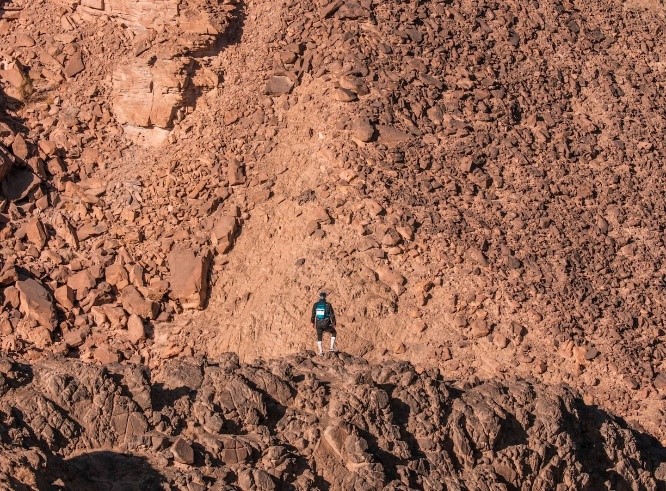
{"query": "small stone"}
[(479, 328), (12, 297), (223, 233), (106, 356), (278, 84), (135, 329), (13, 76), (74, 65), (82, 281), (500, 341), (116, 275), (354, 84), (363, 130), (392, 137), (135, 303), (182, 451), (20, 147), (75, 337), (344, 95), (36, 233), (64, 295), (591, 353), (24, 41), (390, 278), (373, 208), (475, 254), (235, 173), (660, 381)]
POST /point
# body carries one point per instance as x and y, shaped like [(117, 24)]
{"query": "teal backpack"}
[(321, 311)]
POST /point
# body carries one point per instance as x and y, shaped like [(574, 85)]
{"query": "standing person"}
[(323, 320)]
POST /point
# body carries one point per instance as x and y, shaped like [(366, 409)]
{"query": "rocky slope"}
[(477, 184), (305, 422)]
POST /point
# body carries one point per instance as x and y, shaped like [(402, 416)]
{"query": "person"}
[(323, 320)]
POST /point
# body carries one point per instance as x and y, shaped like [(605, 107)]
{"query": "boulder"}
[(224, 232), (189, 277), (135, 303), (36, 303), (65, 296), (116, 275), (135, 329), (35, 232), (82, 281), (182, 451)]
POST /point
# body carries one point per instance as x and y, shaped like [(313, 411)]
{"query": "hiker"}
[(323, 320)]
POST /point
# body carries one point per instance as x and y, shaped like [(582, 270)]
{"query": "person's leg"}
[(320, 335), (333, 335)]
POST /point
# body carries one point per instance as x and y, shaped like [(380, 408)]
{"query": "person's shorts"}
[(326, 328)]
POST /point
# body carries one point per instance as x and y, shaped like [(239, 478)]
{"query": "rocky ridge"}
[(305, 422)]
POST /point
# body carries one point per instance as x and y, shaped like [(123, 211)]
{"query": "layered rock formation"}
[(305, 423)]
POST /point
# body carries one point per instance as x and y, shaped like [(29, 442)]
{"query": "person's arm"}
[(332, 315), (312, 318)]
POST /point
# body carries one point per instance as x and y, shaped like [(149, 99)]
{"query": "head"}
[(322, 296)]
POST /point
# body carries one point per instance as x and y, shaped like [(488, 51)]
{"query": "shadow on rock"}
[(101, 471), (596, 433)]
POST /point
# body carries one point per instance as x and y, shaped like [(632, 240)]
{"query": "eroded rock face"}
[(148, 91), (149, 94), (307, 423)]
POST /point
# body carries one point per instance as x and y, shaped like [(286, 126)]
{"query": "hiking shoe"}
[(333, 350)]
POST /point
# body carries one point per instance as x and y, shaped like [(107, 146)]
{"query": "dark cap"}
[(322, 295)]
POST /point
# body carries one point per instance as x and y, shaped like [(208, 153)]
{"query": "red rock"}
[(135, 329), (81, 281), (20, 147), (75, 337), (278, 84), (392, 137), (363, 130), (189, 277), (182, 451), (391, 278), (74, 65), (64, 295), (135, 303), (660, 381), (24, 41), (479, 328), (13, 75), (235, 172), (116, 275), (344, 95), (106, 355), (36, 303), (36, 233)]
